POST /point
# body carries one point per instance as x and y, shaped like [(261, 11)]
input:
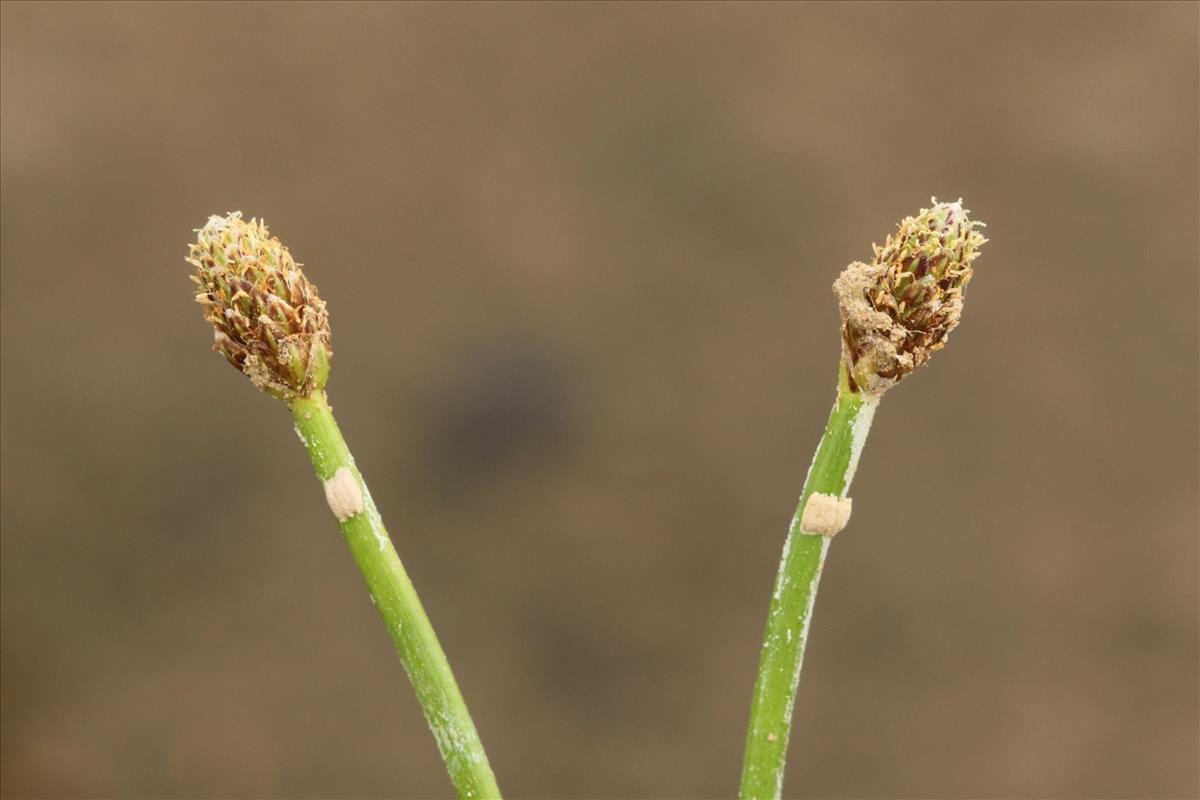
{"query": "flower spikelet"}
[(899, 309), (268, 320)]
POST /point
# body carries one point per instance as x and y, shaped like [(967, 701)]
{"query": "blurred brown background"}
[(578, 260)]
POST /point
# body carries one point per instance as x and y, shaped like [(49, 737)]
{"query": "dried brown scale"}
[(899, 309), (268, 320)]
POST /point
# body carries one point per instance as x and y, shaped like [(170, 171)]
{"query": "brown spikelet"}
[(268, 320), (899, 309)]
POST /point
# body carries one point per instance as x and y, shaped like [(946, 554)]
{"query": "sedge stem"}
[(790, 615), (398, 604)]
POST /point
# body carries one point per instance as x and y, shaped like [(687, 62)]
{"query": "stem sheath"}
[(790, 615), (401, 609)]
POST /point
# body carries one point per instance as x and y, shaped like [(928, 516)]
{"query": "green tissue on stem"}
[(790, 616), (398, 604)]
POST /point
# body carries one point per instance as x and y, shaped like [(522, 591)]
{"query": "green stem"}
[(397, 601), (790, 617)]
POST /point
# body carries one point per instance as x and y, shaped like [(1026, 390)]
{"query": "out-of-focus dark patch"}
[(503, 407)]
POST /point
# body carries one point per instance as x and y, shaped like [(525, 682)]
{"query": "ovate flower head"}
[(899, 309), (268, 320)]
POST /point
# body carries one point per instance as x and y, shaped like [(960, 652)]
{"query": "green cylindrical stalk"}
[(396, 599), (790, 616)]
